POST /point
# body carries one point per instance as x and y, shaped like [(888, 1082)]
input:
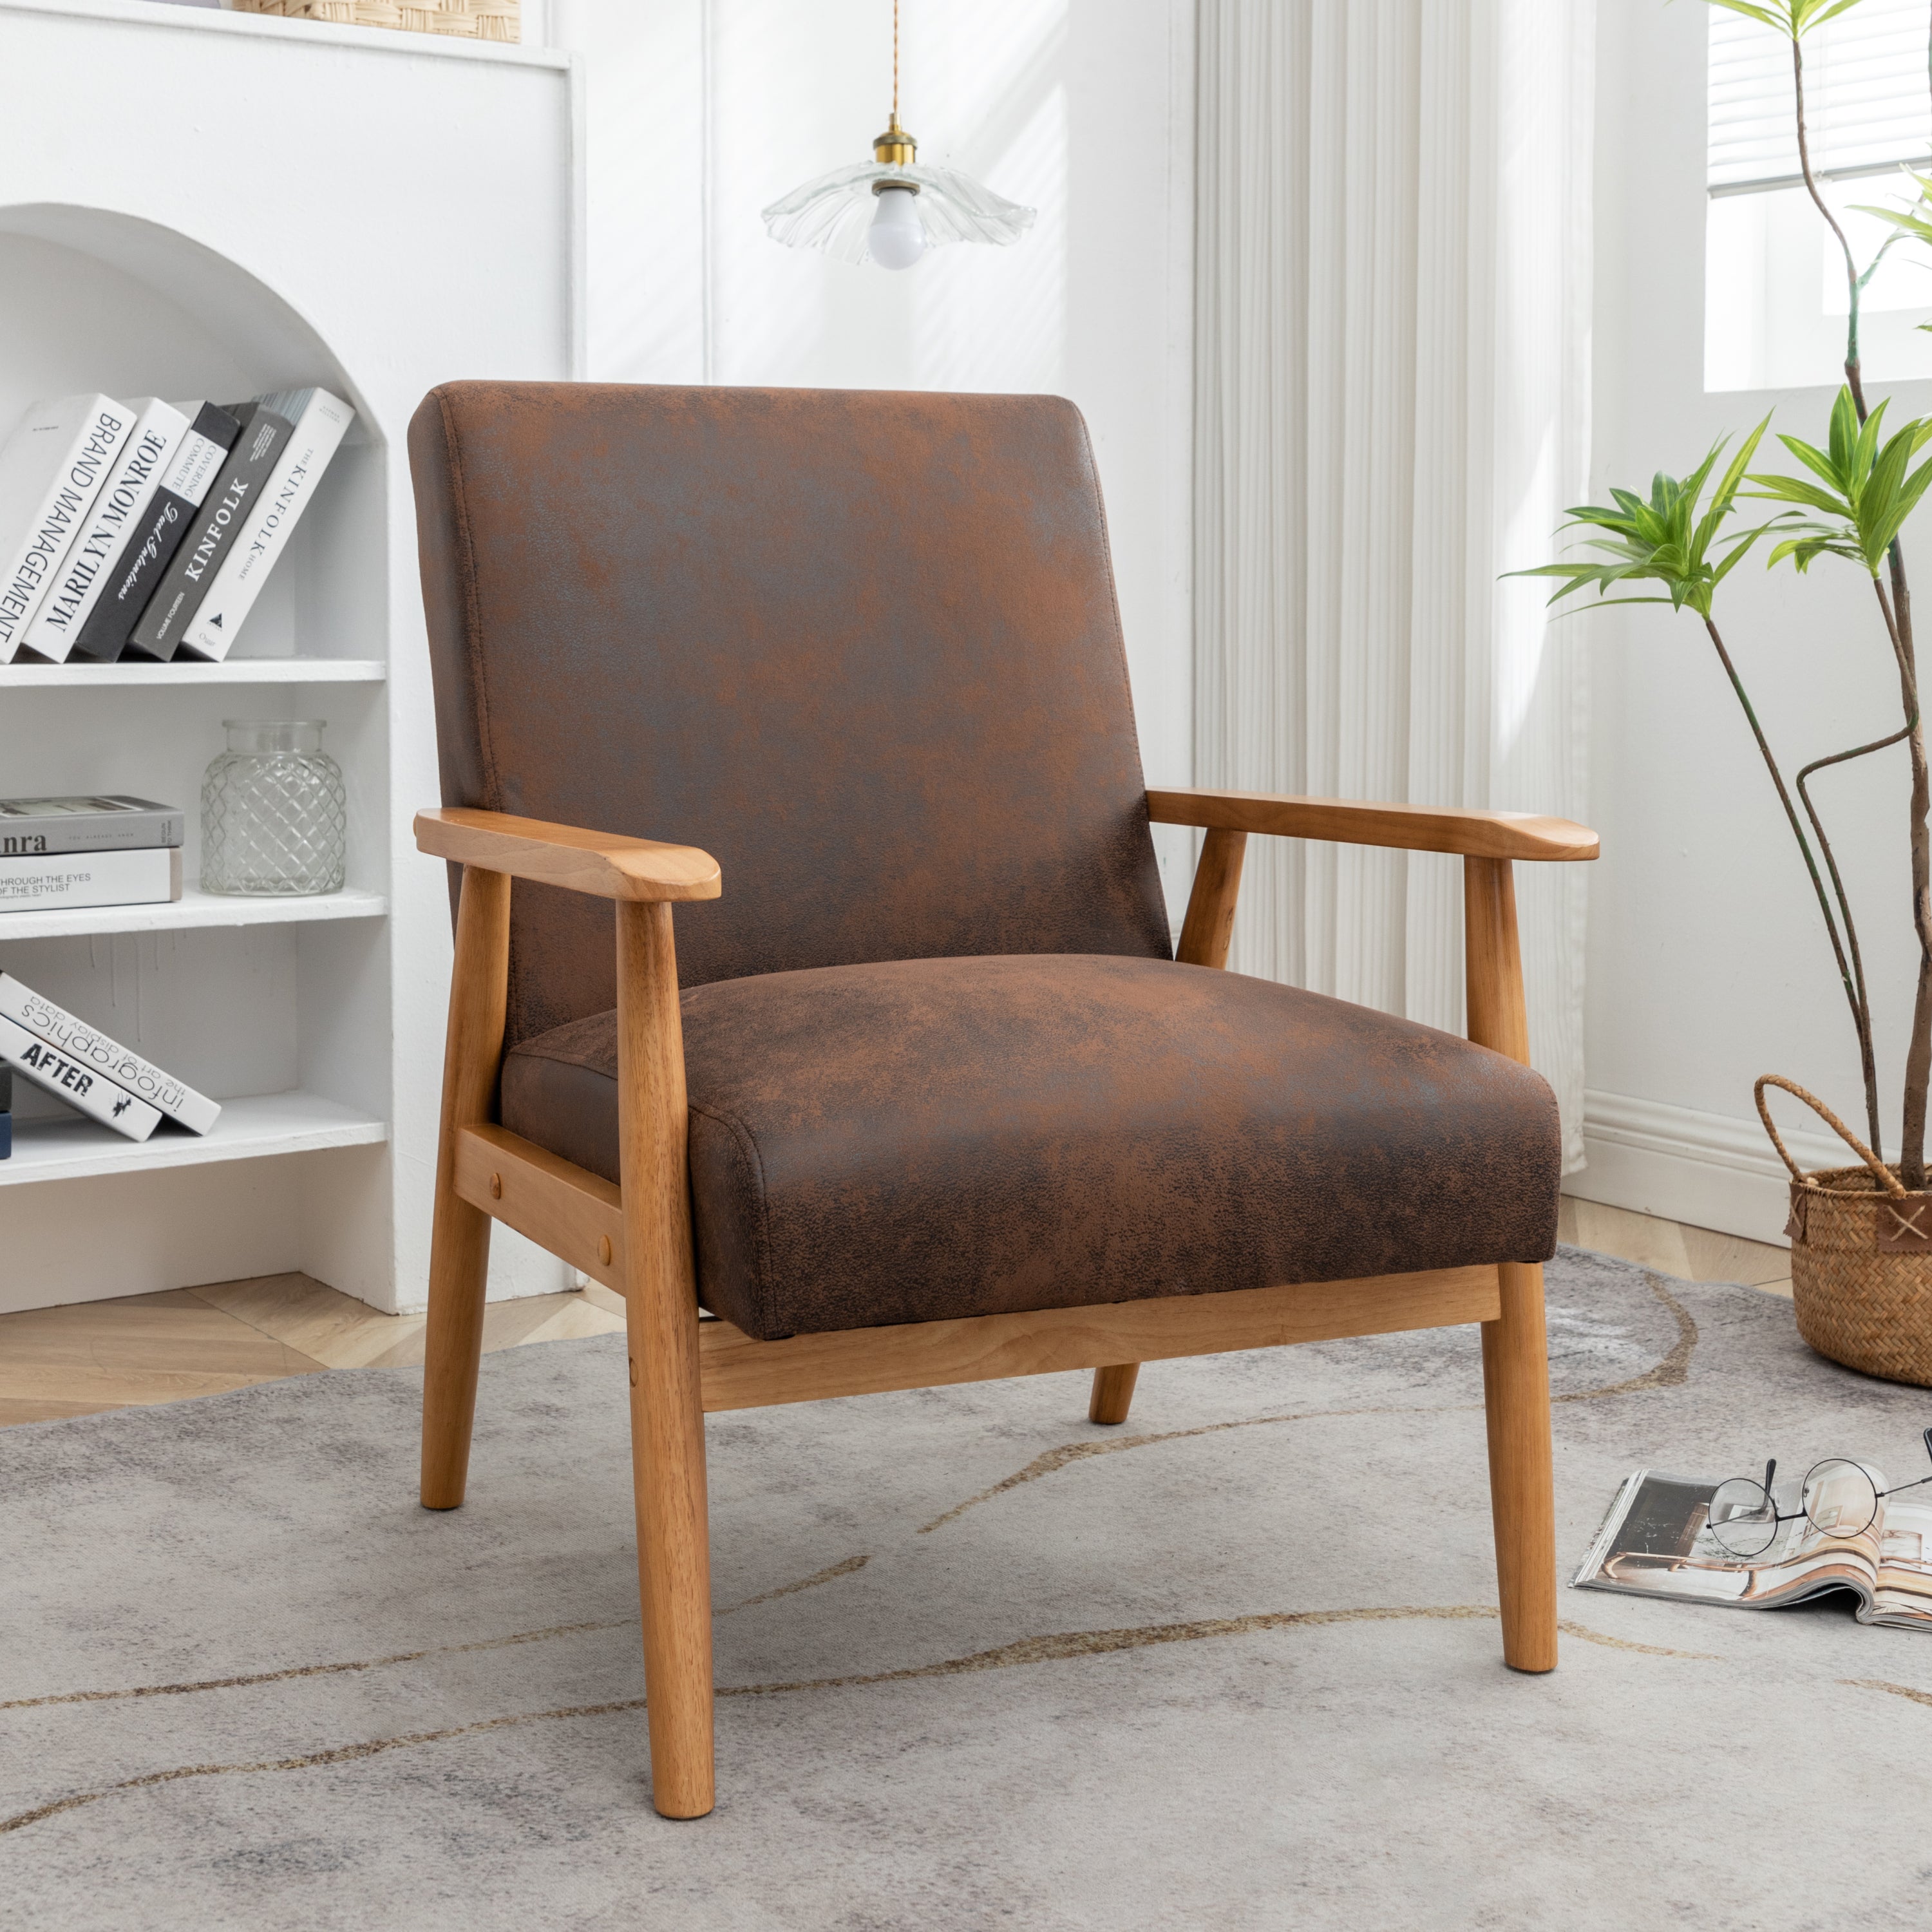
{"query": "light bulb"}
[(896, 240)]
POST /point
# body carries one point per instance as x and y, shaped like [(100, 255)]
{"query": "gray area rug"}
[(982, 1664)]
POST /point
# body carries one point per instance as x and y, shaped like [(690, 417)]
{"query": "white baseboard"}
[(1708, 1170)]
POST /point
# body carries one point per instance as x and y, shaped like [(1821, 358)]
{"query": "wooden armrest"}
[(602, 863), (1416, 828)]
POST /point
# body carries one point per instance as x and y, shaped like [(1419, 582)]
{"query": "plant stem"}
[(1852, 287), (1861, 1013), (1858, 1018), (1897, 611), (1898, 626)]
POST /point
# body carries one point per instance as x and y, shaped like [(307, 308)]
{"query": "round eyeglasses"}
[(1838, 1498)]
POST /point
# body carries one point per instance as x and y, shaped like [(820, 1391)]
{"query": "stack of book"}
[(95, 1076), (146, 529), (74, 852)]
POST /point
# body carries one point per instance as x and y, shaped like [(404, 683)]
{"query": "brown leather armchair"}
[(924, 1097)]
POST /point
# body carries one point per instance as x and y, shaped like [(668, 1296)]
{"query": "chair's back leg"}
[(459, 1250), (1113, 1393), (666, 1402), (1206, 933), (1515, 1356)]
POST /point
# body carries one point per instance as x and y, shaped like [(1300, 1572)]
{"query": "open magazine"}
[(1656, 1541)]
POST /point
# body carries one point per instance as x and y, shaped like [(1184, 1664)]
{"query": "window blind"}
[(1867, 103)]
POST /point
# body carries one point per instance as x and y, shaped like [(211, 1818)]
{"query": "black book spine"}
[(150, 549), (6, 1111), (226, 510)]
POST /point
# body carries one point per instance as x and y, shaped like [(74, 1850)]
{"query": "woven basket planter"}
[(1861, 1259), (469, 19)]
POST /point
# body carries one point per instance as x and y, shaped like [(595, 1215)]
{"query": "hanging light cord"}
[(896, 63)]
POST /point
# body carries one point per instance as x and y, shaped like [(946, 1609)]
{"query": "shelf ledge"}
[(263, 26), (235, 670), (248, 1129), (194, 908)]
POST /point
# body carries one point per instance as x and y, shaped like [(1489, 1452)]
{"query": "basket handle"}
[(1887, 1179)]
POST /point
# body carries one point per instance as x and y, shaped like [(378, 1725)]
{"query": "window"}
[(1775, 299)]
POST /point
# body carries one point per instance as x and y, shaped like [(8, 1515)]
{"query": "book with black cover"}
[(228, 509), (158, 531), (321, 421), (33, 828), (6, 1111)]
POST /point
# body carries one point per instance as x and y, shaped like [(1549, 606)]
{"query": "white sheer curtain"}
[(1393, 336)]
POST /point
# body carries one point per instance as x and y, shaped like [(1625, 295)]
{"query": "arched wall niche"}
[(93, 299)]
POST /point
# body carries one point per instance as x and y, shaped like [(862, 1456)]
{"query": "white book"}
[(158, 431), (51, 468), (146, 875), (83, 1089), (93, 1048), (319, 428)]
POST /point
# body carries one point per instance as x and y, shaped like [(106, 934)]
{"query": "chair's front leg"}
[(1515, 1355), (459, 1248), (667, 1407)]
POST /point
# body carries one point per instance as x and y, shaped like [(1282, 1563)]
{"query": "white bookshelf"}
[(73, 1149), (318, 1023), (194, 908), (236, 671)]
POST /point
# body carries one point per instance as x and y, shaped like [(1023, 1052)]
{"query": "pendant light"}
[(890, 210)]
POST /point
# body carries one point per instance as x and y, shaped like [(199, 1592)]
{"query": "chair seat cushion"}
[(929, 1138)]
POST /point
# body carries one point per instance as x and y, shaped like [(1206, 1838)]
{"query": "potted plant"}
[(1861, 1235)]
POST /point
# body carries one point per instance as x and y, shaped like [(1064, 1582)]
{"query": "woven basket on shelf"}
[(1861, 1257), (472, 20)]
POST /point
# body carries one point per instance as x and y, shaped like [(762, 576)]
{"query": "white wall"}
[(701, 111), (1708, 963)]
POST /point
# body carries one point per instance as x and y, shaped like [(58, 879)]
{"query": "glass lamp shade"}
[(837, 213)]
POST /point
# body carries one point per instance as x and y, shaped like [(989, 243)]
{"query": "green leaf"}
[(1793, 18), (1844, 430), (1727, 491), (1667, 539), (1868, 495), (1795, 490), (1763, 14), (1815, 460)]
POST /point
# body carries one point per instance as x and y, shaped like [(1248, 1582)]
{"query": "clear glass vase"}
[(274, 814)]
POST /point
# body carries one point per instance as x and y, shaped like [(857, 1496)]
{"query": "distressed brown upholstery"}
[(863, 648), (935, 1138)]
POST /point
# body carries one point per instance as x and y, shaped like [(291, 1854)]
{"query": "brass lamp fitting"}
[(895, 148)]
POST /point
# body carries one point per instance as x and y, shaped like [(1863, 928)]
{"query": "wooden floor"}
[(1691, 1254), (198, 1341), (99, 1355)]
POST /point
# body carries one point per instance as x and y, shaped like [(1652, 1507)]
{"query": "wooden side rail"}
[(576, 1216), (602, 863), (1414, 828), (741, 1373)]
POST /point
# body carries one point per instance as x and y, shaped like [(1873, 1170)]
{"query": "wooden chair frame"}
[(637, 1238)]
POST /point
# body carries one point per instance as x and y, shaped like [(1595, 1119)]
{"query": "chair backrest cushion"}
[(861, 647)]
